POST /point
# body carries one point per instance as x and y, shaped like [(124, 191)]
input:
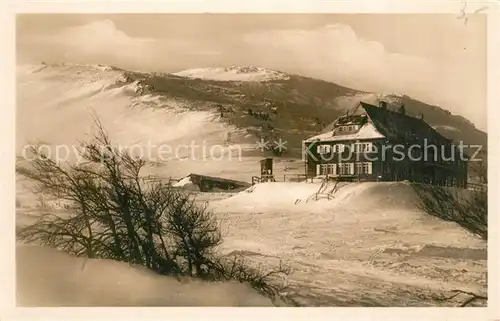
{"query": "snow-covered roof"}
[(387, 123), (398, 126), (368, 131)]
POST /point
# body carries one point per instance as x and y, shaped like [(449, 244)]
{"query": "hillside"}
[(55, 103), (298, 107)]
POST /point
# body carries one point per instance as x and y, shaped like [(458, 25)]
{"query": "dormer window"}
[(347, 129)]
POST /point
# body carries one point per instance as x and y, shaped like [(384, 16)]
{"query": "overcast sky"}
[(438, 59)]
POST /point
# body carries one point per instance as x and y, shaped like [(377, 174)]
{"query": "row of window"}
[(347, 129), (360, 168), (340, 148)]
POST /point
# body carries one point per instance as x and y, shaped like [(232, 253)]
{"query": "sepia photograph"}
[(251, 160)]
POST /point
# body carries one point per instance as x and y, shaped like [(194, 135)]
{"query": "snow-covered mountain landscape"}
[(368, 246)]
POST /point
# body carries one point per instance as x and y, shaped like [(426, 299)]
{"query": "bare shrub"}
[(113, 213), (468, 208), (236, 268)]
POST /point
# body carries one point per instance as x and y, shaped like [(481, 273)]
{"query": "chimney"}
[(383, 104), (402, 109)]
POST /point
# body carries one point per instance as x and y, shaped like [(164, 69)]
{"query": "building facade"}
[(374, 143)]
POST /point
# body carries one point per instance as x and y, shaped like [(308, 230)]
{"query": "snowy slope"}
[(368, 245), (233, 74), (46, 277), (56, 103)]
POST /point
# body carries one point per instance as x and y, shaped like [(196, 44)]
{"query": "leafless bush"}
[(468, 208), (236, 268), (115, 214)]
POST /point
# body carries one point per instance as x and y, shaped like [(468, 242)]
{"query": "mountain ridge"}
[(320, 100), (293, 108)]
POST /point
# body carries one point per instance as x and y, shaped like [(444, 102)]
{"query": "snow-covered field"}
[(367, 245)]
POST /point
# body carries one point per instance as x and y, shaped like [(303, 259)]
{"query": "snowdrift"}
[(49, 278), (300, 195), (370, 236)]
